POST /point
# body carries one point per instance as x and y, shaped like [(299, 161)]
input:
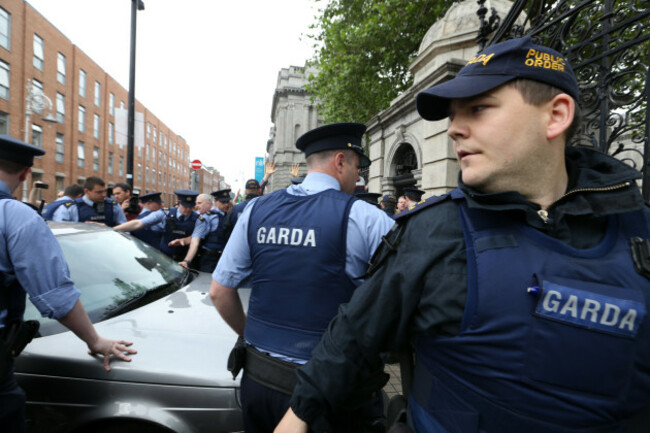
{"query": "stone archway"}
[(402, 164)]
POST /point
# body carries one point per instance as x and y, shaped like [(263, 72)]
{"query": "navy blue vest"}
[(553, 339), (175, 229), (147, 235), (48, 211), (216, 239), (89, 213), (12, 295), (298, 252)]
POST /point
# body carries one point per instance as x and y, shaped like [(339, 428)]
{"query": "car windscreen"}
[(112, 270)]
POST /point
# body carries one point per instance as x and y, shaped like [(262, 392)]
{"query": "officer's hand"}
[(104, 346), (290, 423), (176, 243), (184, 264)]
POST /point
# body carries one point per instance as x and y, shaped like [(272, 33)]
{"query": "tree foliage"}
[(363, 49)]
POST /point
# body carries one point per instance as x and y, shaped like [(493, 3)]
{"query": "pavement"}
[(394, 385)]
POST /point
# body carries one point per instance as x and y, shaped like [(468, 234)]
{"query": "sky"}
[(206, 68)]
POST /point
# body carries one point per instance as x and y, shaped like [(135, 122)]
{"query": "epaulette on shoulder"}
[(68, 204), (113, 201), (421, 205)]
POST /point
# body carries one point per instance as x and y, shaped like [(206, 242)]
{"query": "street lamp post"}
[(35, 102), (136, 5)]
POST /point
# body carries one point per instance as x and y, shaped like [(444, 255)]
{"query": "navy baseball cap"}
[(495, 66), (12, 149), (252, 184), (186, 197), (335, 136), (152, 196), (222, 195), (389, 198)]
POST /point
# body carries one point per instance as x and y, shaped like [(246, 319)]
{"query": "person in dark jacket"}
[(524, 292)]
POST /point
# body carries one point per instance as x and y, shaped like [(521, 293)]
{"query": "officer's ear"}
[(22, 175), (561, 110), (339, 161)]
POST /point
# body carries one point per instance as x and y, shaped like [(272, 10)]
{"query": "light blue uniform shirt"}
[(366, 225), (71, 213), (206, 224), (30, 253), (156, 221)]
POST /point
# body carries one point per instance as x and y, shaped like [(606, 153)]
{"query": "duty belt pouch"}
[(13, 339), (237, 357)]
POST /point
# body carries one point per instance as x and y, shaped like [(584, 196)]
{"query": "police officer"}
[(31, 261), (412, 196), (178, 222), (305, 249), (520, 290), (388, 203), (94, 206), (70, 194), (208, 238), (152, 235), (252, 190)]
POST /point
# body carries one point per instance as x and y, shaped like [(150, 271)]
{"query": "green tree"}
[(364, 48)]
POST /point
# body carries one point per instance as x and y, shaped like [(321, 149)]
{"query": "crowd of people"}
[(517, 302)]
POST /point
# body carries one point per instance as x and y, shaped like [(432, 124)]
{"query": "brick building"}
[(34, 54)]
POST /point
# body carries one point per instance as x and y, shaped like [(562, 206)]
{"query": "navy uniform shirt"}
[(207, 223), (30, 253)]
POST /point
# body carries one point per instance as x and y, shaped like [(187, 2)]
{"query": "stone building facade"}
[(293, 113)]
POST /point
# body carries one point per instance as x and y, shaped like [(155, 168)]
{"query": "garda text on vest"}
[(289, 236)]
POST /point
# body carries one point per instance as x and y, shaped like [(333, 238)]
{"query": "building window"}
[(4, 80), (121, 173), (146, 174), (153, 155), (4, 123), (111, 104), (140, 152), (160, 178), (37, 88), (111, 132), (60, 68), (98, 91), (148, 153), (96, 158), (60, 108), (110, 162), (82, 83), (60, 148), (37, 136), (38, 52), (82, 119), (154, 134), (5, 29), (139, 172), (81, 154), (153, 176), (96, 126), (148, 130), (60, 183)]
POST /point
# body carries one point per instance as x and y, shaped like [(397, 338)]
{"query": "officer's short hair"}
[(537, 93), (206, 197), (123, 186), (11, 167), (321, 157), (73, 190), (92, 181)]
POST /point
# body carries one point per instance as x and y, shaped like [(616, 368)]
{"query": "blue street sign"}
[(259, 168)]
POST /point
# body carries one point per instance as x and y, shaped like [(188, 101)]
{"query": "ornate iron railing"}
[(608, 45)]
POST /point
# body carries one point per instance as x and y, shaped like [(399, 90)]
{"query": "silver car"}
[(178, 380)]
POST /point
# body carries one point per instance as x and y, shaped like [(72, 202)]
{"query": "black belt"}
[(211, 253), (269, 371)]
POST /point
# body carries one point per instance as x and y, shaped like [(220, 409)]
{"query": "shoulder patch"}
[(421, 205), (68, 204), (201, 218)]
